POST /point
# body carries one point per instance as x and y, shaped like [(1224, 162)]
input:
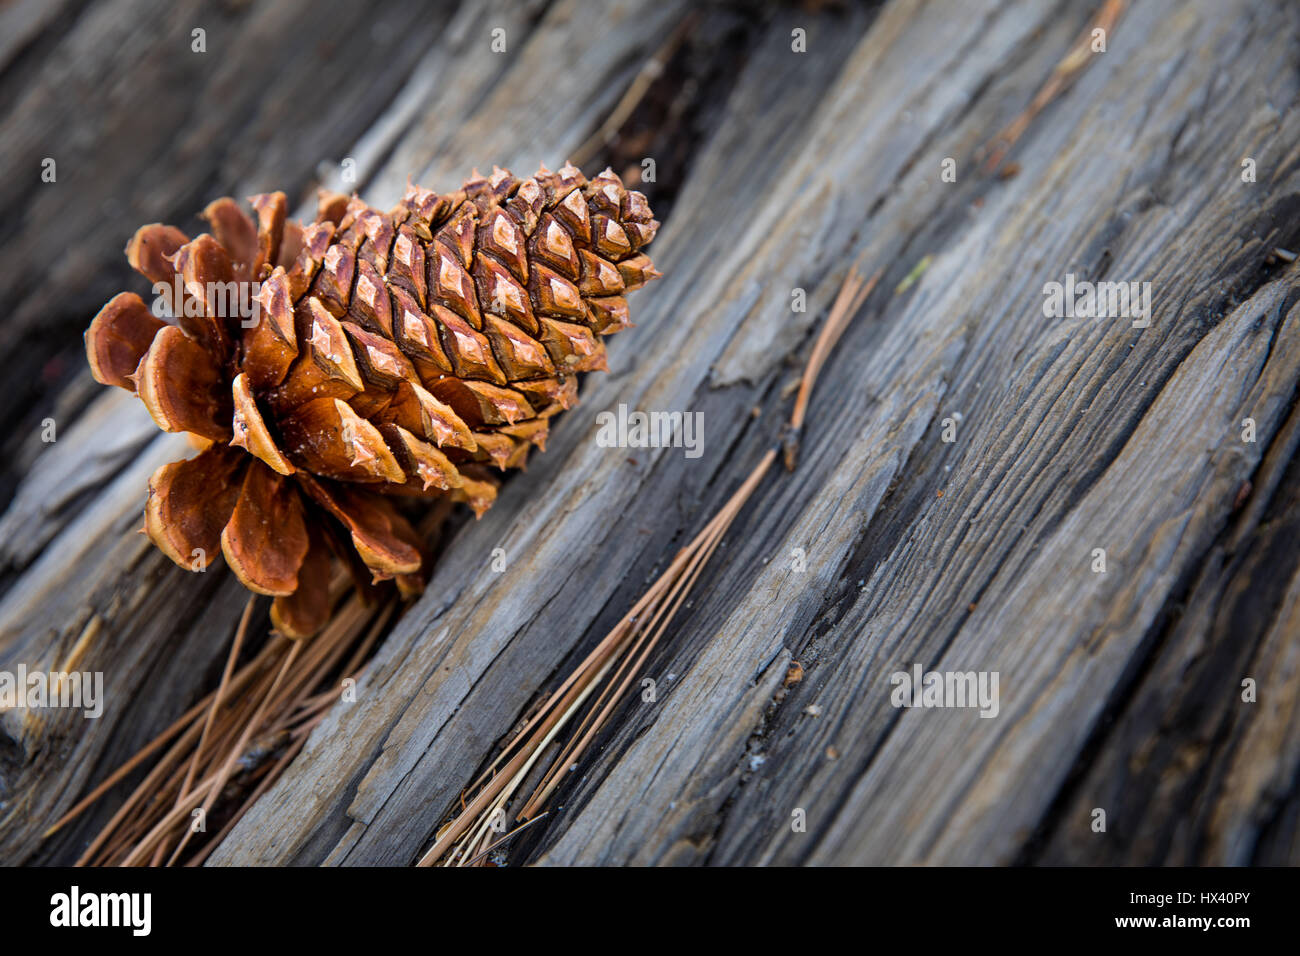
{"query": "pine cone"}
[(392, 356)]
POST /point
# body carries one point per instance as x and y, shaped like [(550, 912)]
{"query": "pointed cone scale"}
[(251, 433), (384, 539)]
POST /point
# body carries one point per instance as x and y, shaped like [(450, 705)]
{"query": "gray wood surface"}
[(1120, 691)]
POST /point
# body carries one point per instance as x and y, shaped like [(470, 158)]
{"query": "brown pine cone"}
[(391, 355)]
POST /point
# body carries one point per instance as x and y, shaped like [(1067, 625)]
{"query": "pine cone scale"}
[(181, 386), (251, 432), (265, 540), (191, 501), (118, 339)]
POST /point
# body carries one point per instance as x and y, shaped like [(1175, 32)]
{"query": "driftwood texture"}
[(1120, 691)]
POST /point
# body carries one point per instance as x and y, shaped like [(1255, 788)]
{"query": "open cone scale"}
[(394, 356)]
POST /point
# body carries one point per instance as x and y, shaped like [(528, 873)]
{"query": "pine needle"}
[(1066, 72), (245, 733)]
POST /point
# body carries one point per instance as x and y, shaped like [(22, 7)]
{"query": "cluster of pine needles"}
[(227, 750)]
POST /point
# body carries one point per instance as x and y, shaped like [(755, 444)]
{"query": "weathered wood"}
[(1119, 691), (1077, 434)]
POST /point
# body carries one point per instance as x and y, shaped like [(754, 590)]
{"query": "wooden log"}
[(977, 556)]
